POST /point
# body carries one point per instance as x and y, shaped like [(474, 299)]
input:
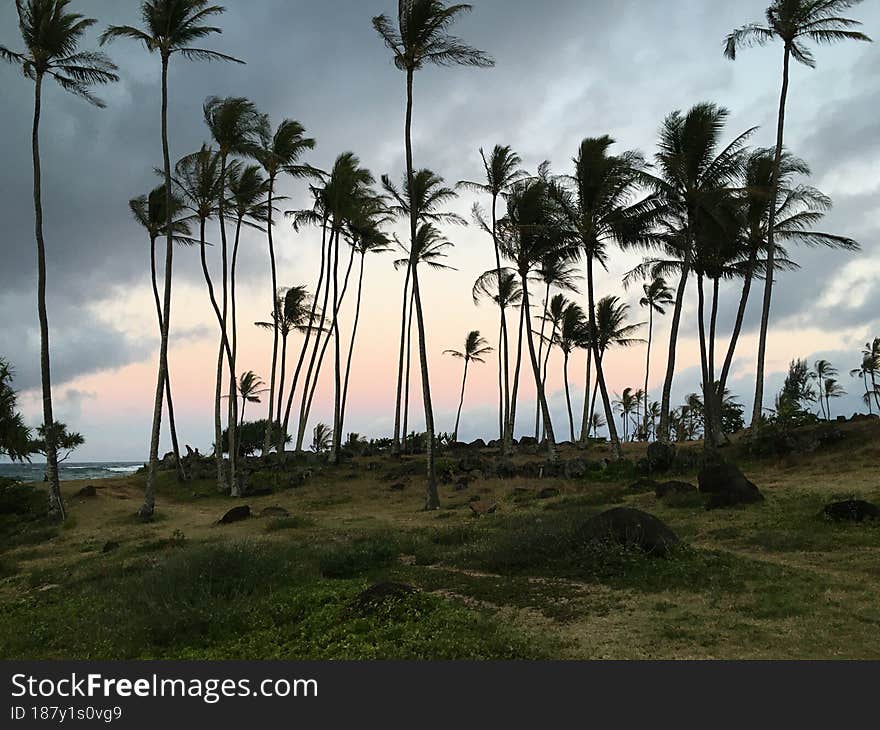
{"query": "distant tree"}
[(475, 349), (657, 296), (251, 436), (823, 371), (15, 437), (322, 438), (249, 388), (831, 389), (797, 392), (64, 441), (52, 36)]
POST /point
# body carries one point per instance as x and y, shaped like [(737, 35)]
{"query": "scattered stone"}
[(377, 594), (640, 486), (725, 485), (110, 546), (664, 489), (274, 512), (660, 457), (87, 491), (236, 514), (631, 528), (548, 493), (483, 507), (477, 444), (852, 510), (528, 441)]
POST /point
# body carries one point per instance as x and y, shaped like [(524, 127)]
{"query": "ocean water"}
[(69, 471)]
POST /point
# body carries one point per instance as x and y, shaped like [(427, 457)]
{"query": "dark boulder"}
[(274, 512), (494, 444), (548, 493), (630, 528), (236, 514), (470, 463), (852, 510), (725, 485), (397, 486), (640, 486), (477, 444), (505, 469), (87, 491), (528, 441), (660, 457), (664, 489), (110, 546), (463, 482), (483, 507)]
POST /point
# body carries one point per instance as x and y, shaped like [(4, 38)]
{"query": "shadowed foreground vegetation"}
[(769, 580)]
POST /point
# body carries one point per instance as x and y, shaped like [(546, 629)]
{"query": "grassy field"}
[(773, 580)]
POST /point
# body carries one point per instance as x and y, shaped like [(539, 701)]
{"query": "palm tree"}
[(422, 38), (573, 333), (824, 371), (234, 123), (831, 389), (502, 168), (692, 175), (594, 423), (612, 330), (249, 388), (867, 372), (602, 208), (872, 355), (657, 296), (626, 404), (170, 28), (322, 438), (52, 36), (475, 349), (431, 247), (279, 153), (530, 233), (794, 22), (502, 287), (149, 212)]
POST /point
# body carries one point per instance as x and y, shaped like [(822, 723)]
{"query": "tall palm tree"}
[(626, 404), (475, 349), (149, 212), (249, 388), (872, 355), (612, 330), (831, 389), (51, 36), (234, 123), (693, 171), (197, 180), (602, 208), (573, 333), (502, 168), (824, 371), (867, 371), (170, 27), (657, 296), (795, 23), (530, 233), (278, 153), (422, 38)]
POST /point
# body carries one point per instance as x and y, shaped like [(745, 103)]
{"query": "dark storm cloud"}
[(565, 69)]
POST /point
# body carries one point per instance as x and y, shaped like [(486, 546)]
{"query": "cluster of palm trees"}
[(703, 209)]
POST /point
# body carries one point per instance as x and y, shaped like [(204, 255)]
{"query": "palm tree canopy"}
[(421, 36), (248, 191), (52, 36), (172, 26), (430, 248), (294, 310), (574, 329), (249, 385), (657, 295), (235, 125), (197, 180), (279, 152), (475, 348), (427, 196), (611, 326), (505, 291), (795, 22), (502, 171), (150, 212)]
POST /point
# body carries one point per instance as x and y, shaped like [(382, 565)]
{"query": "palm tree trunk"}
[(715, 394), (222, 482), (536, 369), (540, 359), (276, 315), (460, 401), (327, 251), (281, 376), (354, 327), (757, 408), (663, 431), (337, 360), (432, 497), (502, 394), (503, 351), (568, 397), (395, 444), (585, 418), (709, 434), (233, 366), (511, 426), (149, 504), (547, 360), (56, 502), (600, 375), (282, 436), (407, 374), (232, 419), (181, 475), (648, 364), (737, 325)]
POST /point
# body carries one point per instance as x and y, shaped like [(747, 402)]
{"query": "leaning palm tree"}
[(657, 296), (149, 212), (830, 389), (170, 28), (234, 123), (872, 355), (626, 404), (602, 208), (502, 168), (573, 333), (824, 371), (421, 38), (475, 349), (795, 23), (278, 153), (52, 35), (867, 371), (249, 388)]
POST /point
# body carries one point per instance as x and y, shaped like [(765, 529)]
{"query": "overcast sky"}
[(566, 69)]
